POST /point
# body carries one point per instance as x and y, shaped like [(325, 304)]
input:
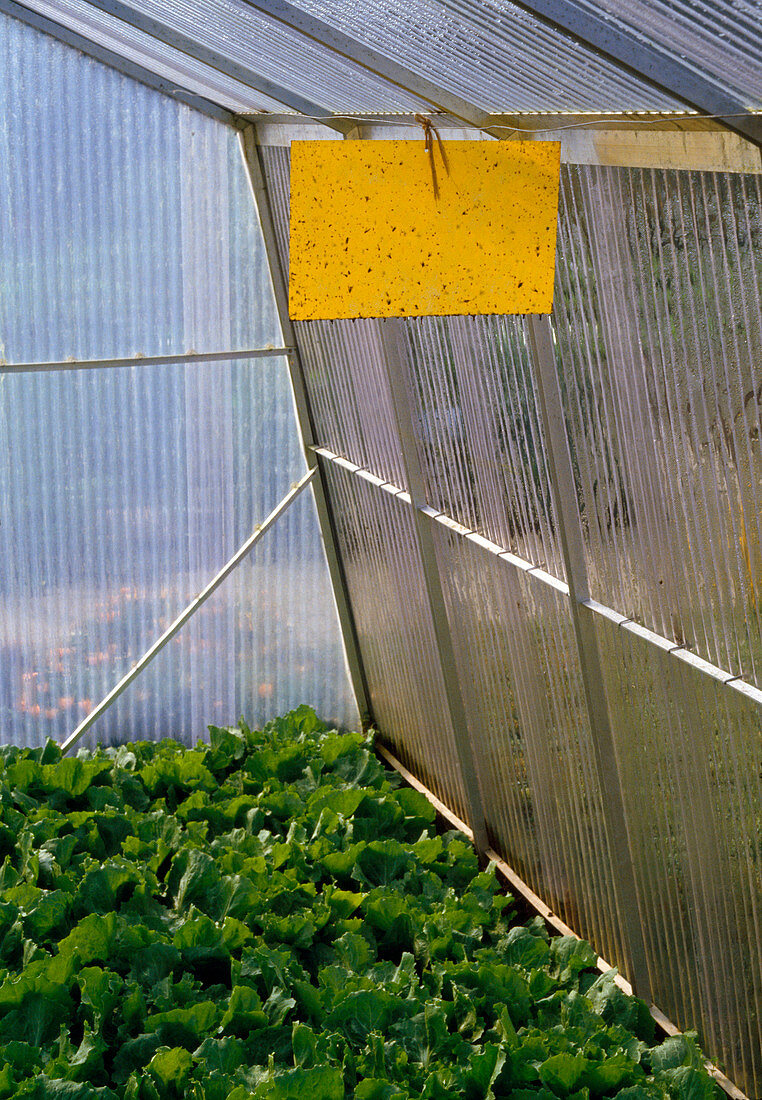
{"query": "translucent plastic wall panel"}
[(344, 364), (720, 40), (475, 405), (386, 587), (122, 492), (688, 752), (660, 333), (265, 642), (491, 53), (126, 221), (529, 725), (276, 163), (479, 434)]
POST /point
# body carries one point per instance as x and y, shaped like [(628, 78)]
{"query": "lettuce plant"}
[(274, 915)]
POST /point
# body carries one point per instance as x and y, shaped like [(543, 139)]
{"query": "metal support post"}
[(540, 341), (392, 337), (252, 162)]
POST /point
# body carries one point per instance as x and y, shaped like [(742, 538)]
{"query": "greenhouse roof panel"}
[(495, 54), (149, 53), (721, 39), (280, 54), (467, 58)]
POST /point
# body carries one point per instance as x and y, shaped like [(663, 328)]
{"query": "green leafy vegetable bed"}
[(275, 916)]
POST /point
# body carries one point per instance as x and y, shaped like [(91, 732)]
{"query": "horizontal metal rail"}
[(593, 607), (145, 360), (521, 121), (259, 531)]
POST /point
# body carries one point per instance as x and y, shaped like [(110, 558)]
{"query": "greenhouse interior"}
[(381, 404)]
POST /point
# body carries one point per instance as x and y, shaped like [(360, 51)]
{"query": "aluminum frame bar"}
[(305, 421), (170, 36), (563, 488), (144, 360), (116, 61), (392, 338), (296, 490)]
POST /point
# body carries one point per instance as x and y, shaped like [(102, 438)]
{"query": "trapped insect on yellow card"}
[(389, 229)]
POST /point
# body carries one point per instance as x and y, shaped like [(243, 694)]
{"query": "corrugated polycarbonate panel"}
[(274, 51), (718, 38), (263, 644), (346, 375), (276, 164), (133, 45), (480, 439), (126, 221), (663, 398), (519, 668), (688, 751), (492, 54), (385, 581), (122, 492), (343, 362)]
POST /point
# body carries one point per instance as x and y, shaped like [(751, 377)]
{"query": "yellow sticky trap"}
[(370, 239)]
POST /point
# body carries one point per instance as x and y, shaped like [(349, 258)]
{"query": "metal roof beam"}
[(116, 61), (170, 36), (662, 70), (358, 53)]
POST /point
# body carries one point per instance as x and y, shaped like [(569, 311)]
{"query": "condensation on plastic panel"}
[(126, 222), (133, 45), (122, 492), (519, 669), (385, 581), (479, 432), (688, 753), (265, 642), (660, 331), (343, 363), (719, 38), (239, 32), (492, 53)]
